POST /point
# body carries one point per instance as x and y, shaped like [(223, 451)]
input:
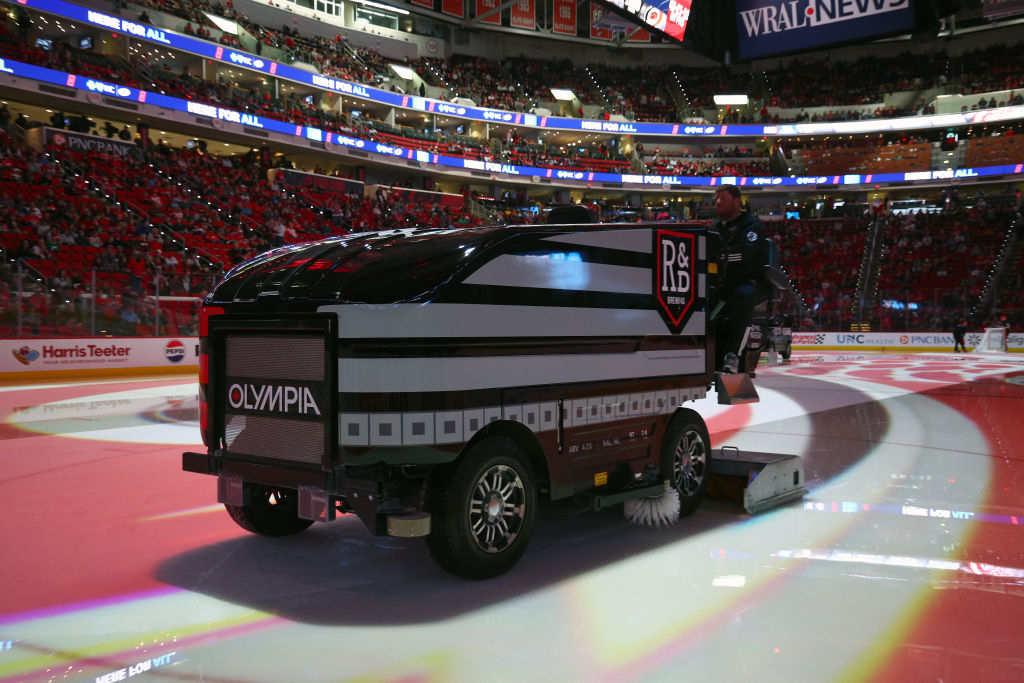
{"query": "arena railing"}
[(106, 304)]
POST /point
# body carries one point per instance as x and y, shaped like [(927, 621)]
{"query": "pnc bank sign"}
[(772, 26)]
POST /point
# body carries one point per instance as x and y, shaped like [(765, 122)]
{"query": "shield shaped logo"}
[(675, 276)]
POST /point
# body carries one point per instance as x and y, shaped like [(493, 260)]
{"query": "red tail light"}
[(204, 318), (204, 368)]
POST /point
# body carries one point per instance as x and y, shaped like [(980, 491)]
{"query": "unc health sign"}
[(768, 27), (893, 341)]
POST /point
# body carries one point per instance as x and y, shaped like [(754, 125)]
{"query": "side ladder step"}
[(761, 480)]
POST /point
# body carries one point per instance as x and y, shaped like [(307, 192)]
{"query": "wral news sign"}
[(772, 26)]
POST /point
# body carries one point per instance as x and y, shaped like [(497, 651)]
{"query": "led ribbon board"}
[(528, 120), (248, 120)]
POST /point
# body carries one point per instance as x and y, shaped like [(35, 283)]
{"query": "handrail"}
[(868, 276), (986, 300)]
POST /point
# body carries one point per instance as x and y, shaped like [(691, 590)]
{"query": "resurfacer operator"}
[(744, 285)]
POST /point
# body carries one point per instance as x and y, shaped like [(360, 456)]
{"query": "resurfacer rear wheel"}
[(482, 510), (273, 511), (686, 459)]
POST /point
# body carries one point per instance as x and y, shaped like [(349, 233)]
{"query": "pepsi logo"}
[(174, 351)]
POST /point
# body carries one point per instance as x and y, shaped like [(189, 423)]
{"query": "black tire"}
[(481, 510), (272, 511), (686, 459)]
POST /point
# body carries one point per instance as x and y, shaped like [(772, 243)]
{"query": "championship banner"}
[(418, 197), (92, 145), (596, 12), (429, 4), (453, 7), (564, 19), (313, 181), (521, 14), (484, 6)]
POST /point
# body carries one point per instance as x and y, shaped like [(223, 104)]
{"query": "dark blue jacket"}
[(745, 250)]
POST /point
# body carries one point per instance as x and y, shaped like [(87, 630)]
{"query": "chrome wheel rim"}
[(689, 463), (497, 509)]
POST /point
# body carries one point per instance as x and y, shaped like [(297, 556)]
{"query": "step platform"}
[(735, 388), (760, 480)]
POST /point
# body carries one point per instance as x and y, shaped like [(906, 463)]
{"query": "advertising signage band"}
[(91, 145), (769, 27), (333, 141), (566, 9)]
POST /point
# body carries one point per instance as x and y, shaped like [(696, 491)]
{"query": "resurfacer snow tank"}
[(439, 383)]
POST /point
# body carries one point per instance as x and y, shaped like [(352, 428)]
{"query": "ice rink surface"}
[(905, 562)]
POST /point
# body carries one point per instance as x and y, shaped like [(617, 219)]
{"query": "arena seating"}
[(512, 83), (822, 258), (894, 158), (209, 209), (885, 158), (938, 262), (994, 151), (140, 204)]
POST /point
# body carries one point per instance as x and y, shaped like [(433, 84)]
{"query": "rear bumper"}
[(209, 463), (321, 495)]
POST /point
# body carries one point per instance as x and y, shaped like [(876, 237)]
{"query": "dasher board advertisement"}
[(73, 354)]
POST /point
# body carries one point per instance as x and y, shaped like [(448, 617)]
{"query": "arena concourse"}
[(147, 148)]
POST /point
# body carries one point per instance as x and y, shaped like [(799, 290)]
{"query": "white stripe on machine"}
[(468, 373), (418, 321), (561, 271)]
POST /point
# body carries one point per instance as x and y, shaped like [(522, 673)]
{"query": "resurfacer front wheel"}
[(482, 510), (273, 511), (686, 459)]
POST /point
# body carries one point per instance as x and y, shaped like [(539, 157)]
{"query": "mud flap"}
[(761, 480)]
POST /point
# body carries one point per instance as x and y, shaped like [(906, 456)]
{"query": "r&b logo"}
[(674, 277)]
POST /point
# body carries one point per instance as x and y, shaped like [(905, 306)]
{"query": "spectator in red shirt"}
[(136, 268)]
